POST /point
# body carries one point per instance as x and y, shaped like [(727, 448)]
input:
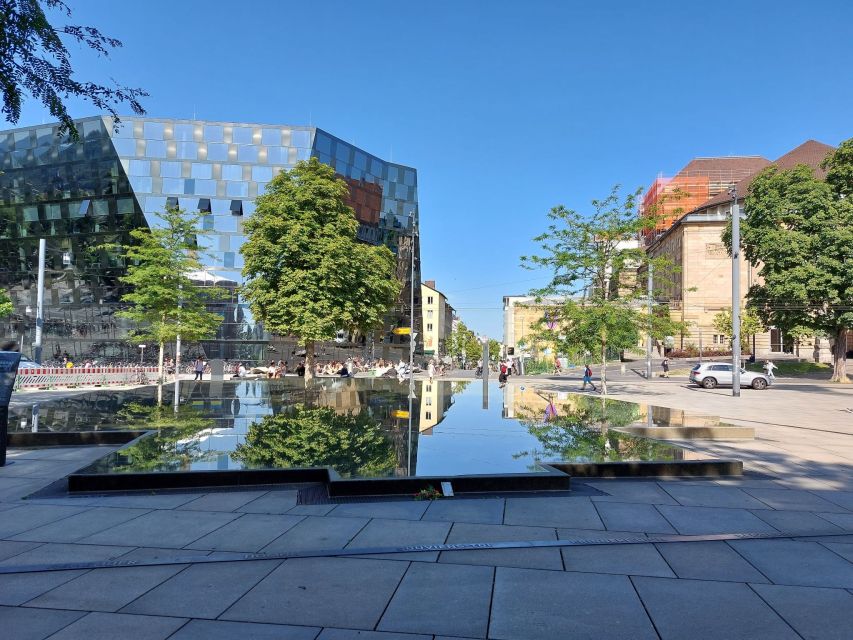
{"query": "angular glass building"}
[(85, 196)]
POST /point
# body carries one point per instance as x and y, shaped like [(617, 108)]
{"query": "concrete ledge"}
[(675, 468), (72, 438)]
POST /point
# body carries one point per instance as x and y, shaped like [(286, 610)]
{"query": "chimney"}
[(430, 283)]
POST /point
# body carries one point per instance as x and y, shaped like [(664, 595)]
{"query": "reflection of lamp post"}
[(141, 353)]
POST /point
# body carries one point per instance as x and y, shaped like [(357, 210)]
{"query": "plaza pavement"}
[(799, 480)]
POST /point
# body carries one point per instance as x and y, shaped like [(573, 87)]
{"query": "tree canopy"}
[(595, 303), (463, 343), (163, 300), (798, 231), (352, 444), (306, 273), (6, 305), (35, 61), (750, 324)]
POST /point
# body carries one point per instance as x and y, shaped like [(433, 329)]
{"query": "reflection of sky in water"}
[(452, 432)]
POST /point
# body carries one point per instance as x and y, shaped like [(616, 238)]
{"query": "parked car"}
[(716, 374), (26, 363)]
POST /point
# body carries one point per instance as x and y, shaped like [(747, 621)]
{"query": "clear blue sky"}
[(505, 108)]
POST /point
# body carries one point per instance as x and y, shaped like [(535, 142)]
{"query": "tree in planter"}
[(352, 444), (35, 62), (799, 231), (306, 273), (593, 259), (750, 324), (163, 301)]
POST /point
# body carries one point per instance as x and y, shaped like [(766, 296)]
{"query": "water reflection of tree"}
[(352, 444), (582, 430), (175, 443)]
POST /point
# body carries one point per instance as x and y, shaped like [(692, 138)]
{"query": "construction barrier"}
[(49, 378)]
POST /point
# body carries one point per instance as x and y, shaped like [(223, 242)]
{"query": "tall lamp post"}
[(735, 293), (141, 353), (412, 336)]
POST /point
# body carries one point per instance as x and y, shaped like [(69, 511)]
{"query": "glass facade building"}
[(85, 197)]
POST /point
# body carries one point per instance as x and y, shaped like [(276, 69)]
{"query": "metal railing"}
[(49, 377)]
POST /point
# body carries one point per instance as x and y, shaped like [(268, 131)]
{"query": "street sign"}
[(402, 331), (400, 413)]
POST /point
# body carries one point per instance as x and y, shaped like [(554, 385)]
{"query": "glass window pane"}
[(225, 223), (101, 207), (189, 186), (217, 151), (247, 153), (141, 184), (392, 174), (409, 178), (155, 149), (170, 169), (237, 189), (271, 137), (303, 154), (187, 150), (261, 174), (125, 205), (205, 187), (300, 138), (276, 155), (241, 135), (140, 168), (184, 131), (125, 146), (202, 170), (232, 172), (213, 133), (153, 130), (124, 130), (220, 207), (173, 185)]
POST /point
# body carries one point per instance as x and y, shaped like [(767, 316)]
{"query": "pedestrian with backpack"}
[(587, 379)]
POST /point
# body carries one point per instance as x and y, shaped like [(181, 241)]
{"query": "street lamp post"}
[(40, 302), (412, 336), (735, 294), (141, 353)]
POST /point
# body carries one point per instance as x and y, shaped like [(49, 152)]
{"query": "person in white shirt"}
[(769, 367)]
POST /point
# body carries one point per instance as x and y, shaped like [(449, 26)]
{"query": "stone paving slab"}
[(355, 634), (317, 533), (223, 630), (222, 501), (548, 605), (311, 509), (9, 548), (271, 502), (110, 626), (18, 588), (578, 513), (411, 510), (841, 498), (525, 558), (447, 599), (81, 525), (796, 563), (146, 500), (322, 592), (26, 517), (709, 561), (796, 521), (249, 533), (628, 559), (814, 613), (794, 500), (624, 516), (630, 491), (485, 511), (843, 520), (391, 533), (202, 590), (697, 520), (845, 550), (21, 623), (105, 589), (700, 609), (163, 529), (51, 553), (712, 496)]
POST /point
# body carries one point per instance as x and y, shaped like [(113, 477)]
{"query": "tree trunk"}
[(839, 372), (160, 362), (309, 360), (604, 367)]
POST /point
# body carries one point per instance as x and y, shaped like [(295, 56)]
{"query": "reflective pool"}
[(360, 427)]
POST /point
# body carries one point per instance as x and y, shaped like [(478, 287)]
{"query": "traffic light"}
[(510, 351)]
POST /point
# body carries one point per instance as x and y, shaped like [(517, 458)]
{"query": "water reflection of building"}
[(436, 398)]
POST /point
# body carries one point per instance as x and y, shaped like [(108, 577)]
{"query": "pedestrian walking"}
[(665, 366), (198, 367), (587, 379), (431, 370), (558, 368), (769, 367)]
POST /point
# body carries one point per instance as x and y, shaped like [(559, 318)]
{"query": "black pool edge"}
[(557, 477), (26, 439)]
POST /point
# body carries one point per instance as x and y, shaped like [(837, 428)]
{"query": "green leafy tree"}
[(306, 273), (35, 61), (494, 349), (6, 305), (594, 259), (750, 324), (163, 300), (798, 231), (464, 343), (352, 444)]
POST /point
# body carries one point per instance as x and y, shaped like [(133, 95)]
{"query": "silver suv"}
[(714, 374)]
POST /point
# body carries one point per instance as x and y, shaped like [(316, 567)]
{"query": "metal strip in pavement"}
[(415, 548)]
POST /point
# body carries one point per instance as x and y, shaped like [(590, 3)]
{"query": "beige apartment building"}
[(703, 287), (437, 319), (521, 315)]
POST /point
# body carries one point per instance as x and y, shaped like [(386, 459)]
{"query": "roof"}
[(724, 165), (811, 153)]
